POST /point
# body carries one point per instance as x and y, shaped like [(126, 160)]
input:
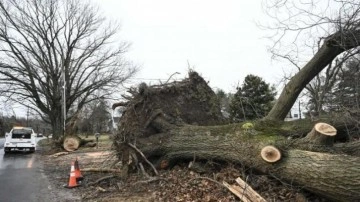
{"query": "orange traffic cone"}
[(72, 180), (78, 175)]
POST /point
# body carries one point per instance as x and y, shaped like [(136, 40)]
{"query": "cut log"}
[(270, 154), (322, 134), (71, 143)]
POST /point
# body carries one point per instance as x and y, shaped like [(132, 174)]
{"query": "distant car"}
[(39, 135), (20, 138)]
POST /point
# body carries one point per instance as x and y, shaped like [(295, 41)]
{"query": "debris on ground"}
[(179, 183)]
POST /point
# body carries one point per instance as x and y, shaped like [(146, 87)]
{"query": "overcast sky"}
[(219, 39)]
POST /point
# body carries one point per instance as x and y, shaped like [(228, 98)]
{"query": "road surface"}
[(22, 178)]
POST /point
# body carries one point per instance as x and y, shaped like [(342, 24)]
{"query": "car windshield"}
[(22, 133)]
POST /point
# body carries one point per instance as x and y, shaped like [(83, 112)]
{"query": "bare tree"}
[(319, 89), (46, 42), (332, 26)]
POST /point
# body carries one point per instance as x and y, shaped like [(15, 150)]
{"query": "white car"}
[(20, 138)]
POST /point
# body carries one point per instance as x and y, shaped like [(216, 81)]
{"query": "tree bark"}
[(335, 176), (56, 125)]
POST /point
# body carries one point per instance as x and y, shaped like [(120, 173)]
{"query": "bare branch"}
[(40, 39)]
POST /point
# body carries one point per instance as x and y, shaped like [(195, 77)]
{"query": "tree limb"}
[(145, 159)]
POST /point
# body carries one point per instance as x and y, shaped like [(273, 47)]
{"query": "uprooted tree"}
[(180, 120)]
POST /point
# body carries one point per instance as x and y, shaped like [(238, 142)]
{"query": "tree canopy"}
[(96, 118), (253, 99)]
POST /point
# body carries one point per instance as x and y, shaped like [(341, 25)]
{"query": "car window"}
[(21, 133)]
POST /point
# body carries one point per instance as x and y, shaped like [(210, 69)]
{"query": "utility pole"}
[(64, 101), (27, 117), (299, 110)]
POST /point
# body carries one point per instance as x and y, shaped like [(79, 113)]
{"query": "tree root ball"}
[(270, 154)]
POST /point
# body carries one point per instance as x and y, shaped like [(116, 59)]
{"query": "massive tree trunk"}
[(332, 47), (57, 126), (335, 176)]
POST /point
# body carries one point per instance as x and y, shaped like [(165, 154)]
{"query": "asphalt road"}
[(22, 178)]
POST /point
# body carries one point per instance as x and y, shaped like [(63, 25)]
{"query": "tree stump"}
[(321, 134)]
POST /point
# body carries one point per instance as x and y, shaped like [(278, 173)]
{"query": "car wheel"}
[(6, 150)]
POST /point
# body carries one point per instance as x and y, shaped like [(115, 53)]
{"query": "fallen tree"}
[(329, 174), (73, 142), (157, 121)]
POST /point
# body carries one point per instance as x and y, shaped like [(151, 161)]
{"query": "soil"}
[(158, 108), (202, 182)]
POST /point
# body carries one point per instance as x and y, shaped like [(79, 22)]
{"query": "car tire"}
[(7, 150)]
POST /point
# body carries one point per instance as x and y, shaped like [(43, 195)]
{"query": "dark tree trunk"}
[(332, 47), (334, 176), (57, 126)]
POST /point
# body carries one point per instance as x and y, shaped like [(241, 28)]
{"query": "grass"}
[(103, 138), (44, 142), (104, 143)]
